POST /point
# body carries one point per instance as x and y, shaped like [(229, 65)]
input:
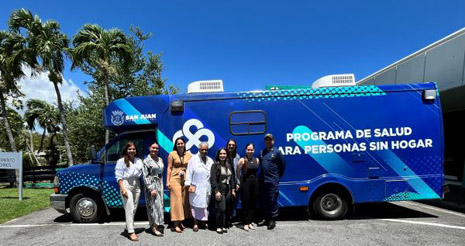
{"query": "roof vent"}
[(335, 80), (203, 86)]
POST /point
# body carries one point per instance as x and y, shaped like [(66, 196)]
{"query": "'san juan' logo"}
[(193, 137), (117, 117)]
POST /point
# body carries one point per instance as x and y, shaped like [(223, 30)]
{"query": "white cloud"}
[(40, 87)]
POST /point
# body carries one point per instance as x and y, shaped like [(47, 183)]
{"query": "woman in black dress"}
[(247, 170)]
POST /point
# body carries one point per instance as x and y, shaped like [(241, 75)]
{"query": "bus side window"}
[(251, 122)]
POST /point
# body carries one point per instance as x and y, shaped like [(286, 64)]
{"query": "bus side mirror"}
[(92, 153)]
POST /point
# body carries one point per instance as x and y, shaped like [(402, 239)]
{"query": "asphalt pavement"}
[(402, 223)]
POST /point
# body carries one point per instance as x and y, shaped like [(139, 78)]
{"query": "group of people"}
[(199, 184)]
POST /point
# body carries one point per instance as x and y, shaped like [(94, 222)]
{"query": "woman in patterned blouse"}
[(153, 170)]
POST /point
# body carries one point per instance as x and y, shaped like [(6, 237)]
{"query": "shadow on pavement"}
[(360, 212), (453, 200), (385, 211), (64, 218)]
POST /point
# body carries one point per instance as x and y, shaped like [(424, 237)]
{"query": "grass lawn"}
[(33, 200)]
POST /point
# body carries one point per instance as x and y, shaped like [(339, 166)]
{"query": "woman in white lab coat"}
[(198, 181)]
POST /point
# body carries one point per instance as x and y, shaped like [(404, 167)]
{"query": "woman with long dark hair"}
[(128, 170), (247, 170), (222, 180), (178, 160), (233, 157), (153, 170)]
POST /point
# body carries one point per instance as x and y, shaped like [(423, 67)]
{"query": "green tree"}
[(85, 122), (100, 50), (21, 137), (50, 45), (14, 54), (44, 114), (143, 76), (16, 123)]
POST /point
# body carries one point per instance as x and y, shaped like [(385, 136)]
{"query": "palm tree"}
[(102, 50), (44, 114), (14, 54), (16, 125), (50, 44)]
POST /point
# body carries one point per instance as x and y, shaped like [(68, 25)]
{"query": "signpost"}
[(13, 160)]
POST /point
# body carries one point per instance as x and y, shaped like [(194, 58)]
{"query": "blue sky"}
[(250, 44)]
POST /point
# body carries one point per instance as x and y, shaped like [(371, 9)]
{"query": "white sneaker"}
[(251, 226)]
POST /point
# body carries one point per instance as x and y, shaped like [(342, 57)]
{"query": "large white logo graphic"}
[(193, 138), (117, 117)]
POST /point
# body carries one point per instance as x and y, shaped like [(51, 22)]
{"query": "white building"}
[(442, 62)]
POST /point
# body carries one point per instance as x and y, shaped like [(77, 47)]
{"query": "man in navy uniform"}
[(272, 166)]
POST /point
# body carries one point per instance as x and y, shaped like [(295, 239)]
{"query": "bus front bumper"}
[(58, 202)]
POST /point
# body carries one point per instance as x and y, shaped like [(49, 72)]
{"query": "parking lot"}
[(403, 223)]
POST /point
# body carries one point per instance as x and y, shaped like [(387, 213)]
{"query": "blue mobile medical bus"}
[(342, 145)]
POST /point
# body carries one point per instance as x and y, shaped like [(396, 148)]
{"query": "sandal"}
[(133, 237), (177, 229), (156, 232)]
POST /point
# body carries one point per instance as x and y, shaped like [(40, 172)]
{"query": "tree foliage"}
[(49, 44), (141, 77), (14, 55), (16, 124), (118, 64), (45, 115), (85, 124)]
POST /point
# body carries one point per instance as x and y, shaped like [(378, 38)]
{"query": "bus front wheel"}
[(330, 206), (86, 208)]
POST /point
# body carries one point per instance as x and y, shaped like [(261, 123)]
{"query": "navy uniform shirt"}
[(272, 166)]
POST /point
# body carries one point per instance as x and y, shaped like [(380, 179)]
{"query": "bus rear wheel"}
[(330, 205)]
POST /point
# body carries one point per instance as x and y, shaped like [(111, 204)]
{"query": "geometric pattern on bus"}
[(70, 180), (317, 93)]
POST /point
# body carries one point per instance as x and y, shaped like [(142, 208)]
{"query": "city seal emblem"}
[(117, 117)]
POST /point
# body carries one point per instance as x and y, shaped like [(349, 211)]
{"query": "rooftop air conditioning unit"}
[(335, 80), (203, 86)]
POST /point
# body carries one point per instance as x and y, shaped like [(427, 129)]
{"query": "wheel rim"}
[(331, 203), (86, 207)]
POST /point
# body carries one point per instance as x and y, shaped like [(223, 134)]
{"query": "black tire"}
[(86, 208), (330, 205)]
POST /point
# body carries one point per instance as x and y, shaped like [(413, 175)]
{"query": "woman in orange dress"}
[(176, 173)]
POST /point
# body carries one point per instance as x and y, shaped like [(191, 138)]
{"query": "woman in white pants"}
[(127, 172)]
